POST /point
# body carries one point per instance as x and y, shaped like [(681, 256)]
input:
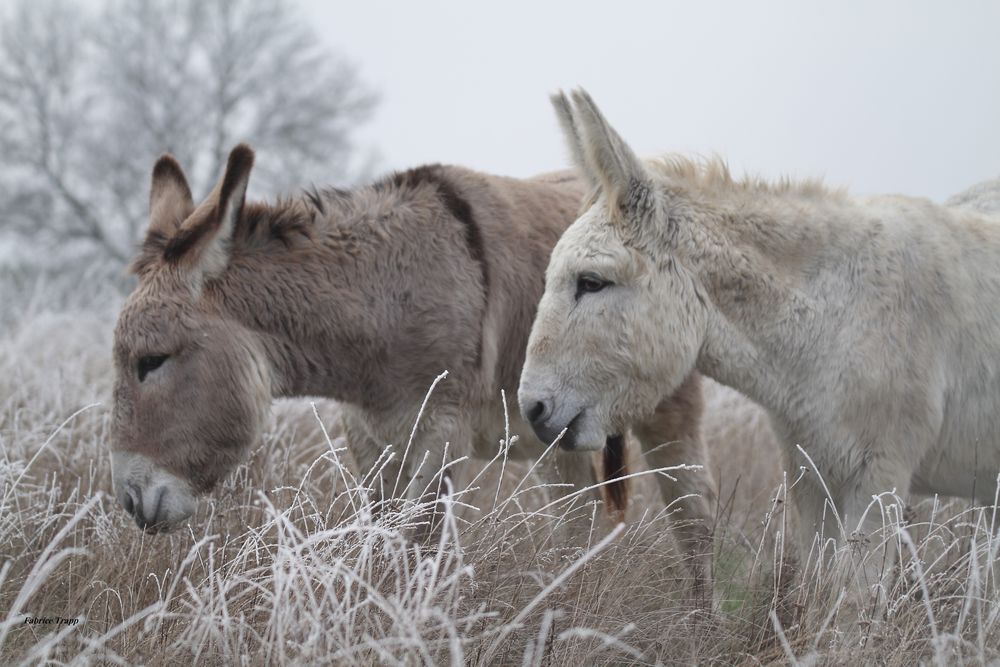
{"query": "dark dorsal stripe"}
[(456, 204), (459, 207)]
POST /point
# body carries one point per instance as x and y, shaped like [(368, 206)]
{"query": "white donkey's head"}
[(621, 322)]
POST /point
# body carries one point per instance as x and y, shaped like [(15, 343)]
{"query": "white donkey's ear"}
[(568, 123), (201, 245), (620, 173)]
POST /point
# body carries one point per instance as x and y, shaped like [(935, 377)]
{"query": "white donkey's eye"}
[(589, 282)]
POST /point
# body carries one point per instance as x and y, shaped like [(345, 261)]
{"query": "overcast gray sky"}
[(882, 96)]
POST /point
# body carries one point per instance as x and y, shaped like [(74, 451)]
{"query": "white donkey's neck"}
[(754, 256)]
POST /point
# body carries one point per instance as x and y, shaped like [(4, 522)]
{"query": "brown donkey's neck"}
[(361, 296)]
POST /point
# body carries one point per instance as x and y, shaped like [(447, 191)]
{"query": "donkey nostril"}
[(131, 500), (536, 412), (127, 503)]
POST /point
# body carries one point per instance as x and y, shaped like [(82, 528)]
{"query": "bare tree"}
[(88, 100)]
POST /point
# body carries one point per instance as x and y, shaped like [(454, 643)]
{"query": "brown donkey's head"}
[(192, 385)]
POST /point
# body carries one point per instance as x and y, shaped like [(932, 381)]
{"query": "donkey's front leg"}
[(378, 465), (434, 469), (851, 538), (873, 506), (672, 439)]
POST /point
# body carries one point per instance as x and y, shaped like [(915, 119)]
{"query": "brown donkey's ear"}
[(201, 245), (170, 204), (169, 196)]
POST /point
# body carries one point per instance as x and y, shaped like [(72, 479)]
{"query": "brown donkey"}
[(364, 297)]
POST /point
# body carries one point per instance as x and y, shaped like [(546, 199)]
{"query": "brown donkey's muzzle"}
[(156, 499)]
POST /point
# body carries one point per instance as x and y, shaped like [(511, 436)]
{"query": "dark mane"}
[(260, 225), (318, 198), (282, 222)]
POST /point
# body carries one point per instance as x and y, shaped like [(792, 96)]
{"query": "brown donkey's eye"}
[(149, 364), (588, 282)]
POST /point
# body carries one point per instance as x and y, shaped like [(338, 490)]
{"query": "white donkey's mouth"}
[(568, 440), (157, 500), (551, 411), (589, 433), (581, 432)]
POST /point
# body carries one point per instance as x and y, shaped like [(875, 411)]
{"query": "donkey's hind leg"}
[(422, 469), (672, 437), (433, 468)]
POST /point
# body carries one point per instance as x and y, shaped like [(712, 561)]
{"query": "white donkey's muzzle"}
[(548, 415)]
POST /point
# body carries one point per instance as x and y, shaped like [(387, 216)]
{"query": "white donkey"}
[(983, 197), (869, 328)]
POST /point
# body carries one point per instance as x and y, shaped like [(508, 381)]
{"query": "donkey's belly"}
[(979, 484)]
